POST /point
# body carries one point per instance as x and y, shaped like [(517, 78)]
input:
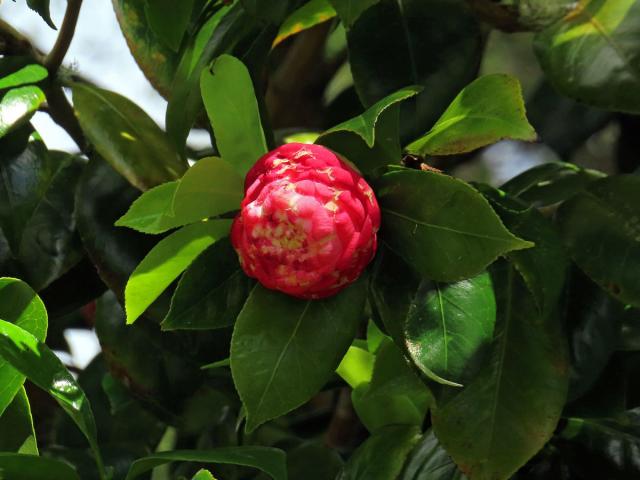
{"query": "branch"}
[(53, 61), (61, 111), (13, 42)]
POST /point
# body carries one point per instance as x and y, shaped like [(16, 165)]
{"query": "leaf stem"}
[(53, 60)]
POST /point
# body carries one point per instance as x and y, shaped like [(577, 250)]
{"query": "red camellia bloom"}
[(308, 222)]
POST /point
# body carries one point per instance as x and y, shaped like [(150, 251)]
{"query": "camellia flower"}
[(308, 222)]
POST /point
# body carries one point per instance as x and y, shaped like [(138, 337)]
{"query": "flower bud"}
[(308, 222)]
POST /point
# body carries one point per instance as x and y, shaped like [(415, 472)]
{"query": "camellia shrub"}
[(337, 287)]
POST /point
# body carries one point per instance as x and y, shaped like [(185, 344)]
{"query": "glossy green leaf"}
[(429, 461), (32, 73), (203, 475), (356, 367), (230, 101), (523, 382), (16, 427), (435, 44), (32, 358), (350, 10), (441, 225), (42, 9), (307, 16), (166, 261), (382, 455), (211, 187), (211, 292), (601, 228), (32, 467), (125, 136), (268, 460), (169, 20), (488, 110), (591, 54), (550, 183), (515, 15), (449, 327), (17, 106), (281, 366), (394, 396), (20, 305)]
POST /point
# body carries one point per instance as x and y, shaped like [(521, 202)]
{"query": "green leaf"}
[(382, 455), (169, 20), (203, 475), (313, 461), (429, 461), (449, 327), (601, 229), (550, 183), (356, 367), (41, 7), (308, 15), (523, 382), (32, 467), (211, 292), (269, 460), (230, 101), (516, 15), (16, 427), (350, 10), (488, 110), (284, 349), (441, 225), (18, 106), (166, 261), (20, 305), (31, 73), (210, 188), (591, 54), (415, 46), (394, 396), (125, 136), (40, 365)]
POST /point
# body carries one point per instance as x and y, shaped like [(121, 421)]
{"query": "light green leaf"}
[(16, 427), (488, 110), (28, 74), (203, 475), (17, 106), (166, 261), (356, 367), (285, 349), (20, 305), (230, 101), (308, 15), (151, 211), (441, 225), (269, 460), (126, 137)]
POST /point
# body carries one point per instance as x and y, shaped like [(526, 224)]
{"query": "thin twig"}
[(53, 61), (61, 112)]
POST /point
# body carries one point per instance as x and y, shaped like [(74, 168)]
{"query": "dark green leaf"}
[(350, 10), (211, 292), (18, 106), (441, 225), (488, 110), (449, 327), (313, 462), (126, 137), (523, 382), (394, 396), (209, 188), (285, 349), (16, 427), (169, 20), (429, 461), (166, 261), (268, 460), (230, 101), (31, 73), (550, 183), (32, 467), (42, 8), (40, 365), (514, 15), (20, 305), (435, 44), (307, 16), (601, 228), (274, 12), (383, 455), (591, 54)]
